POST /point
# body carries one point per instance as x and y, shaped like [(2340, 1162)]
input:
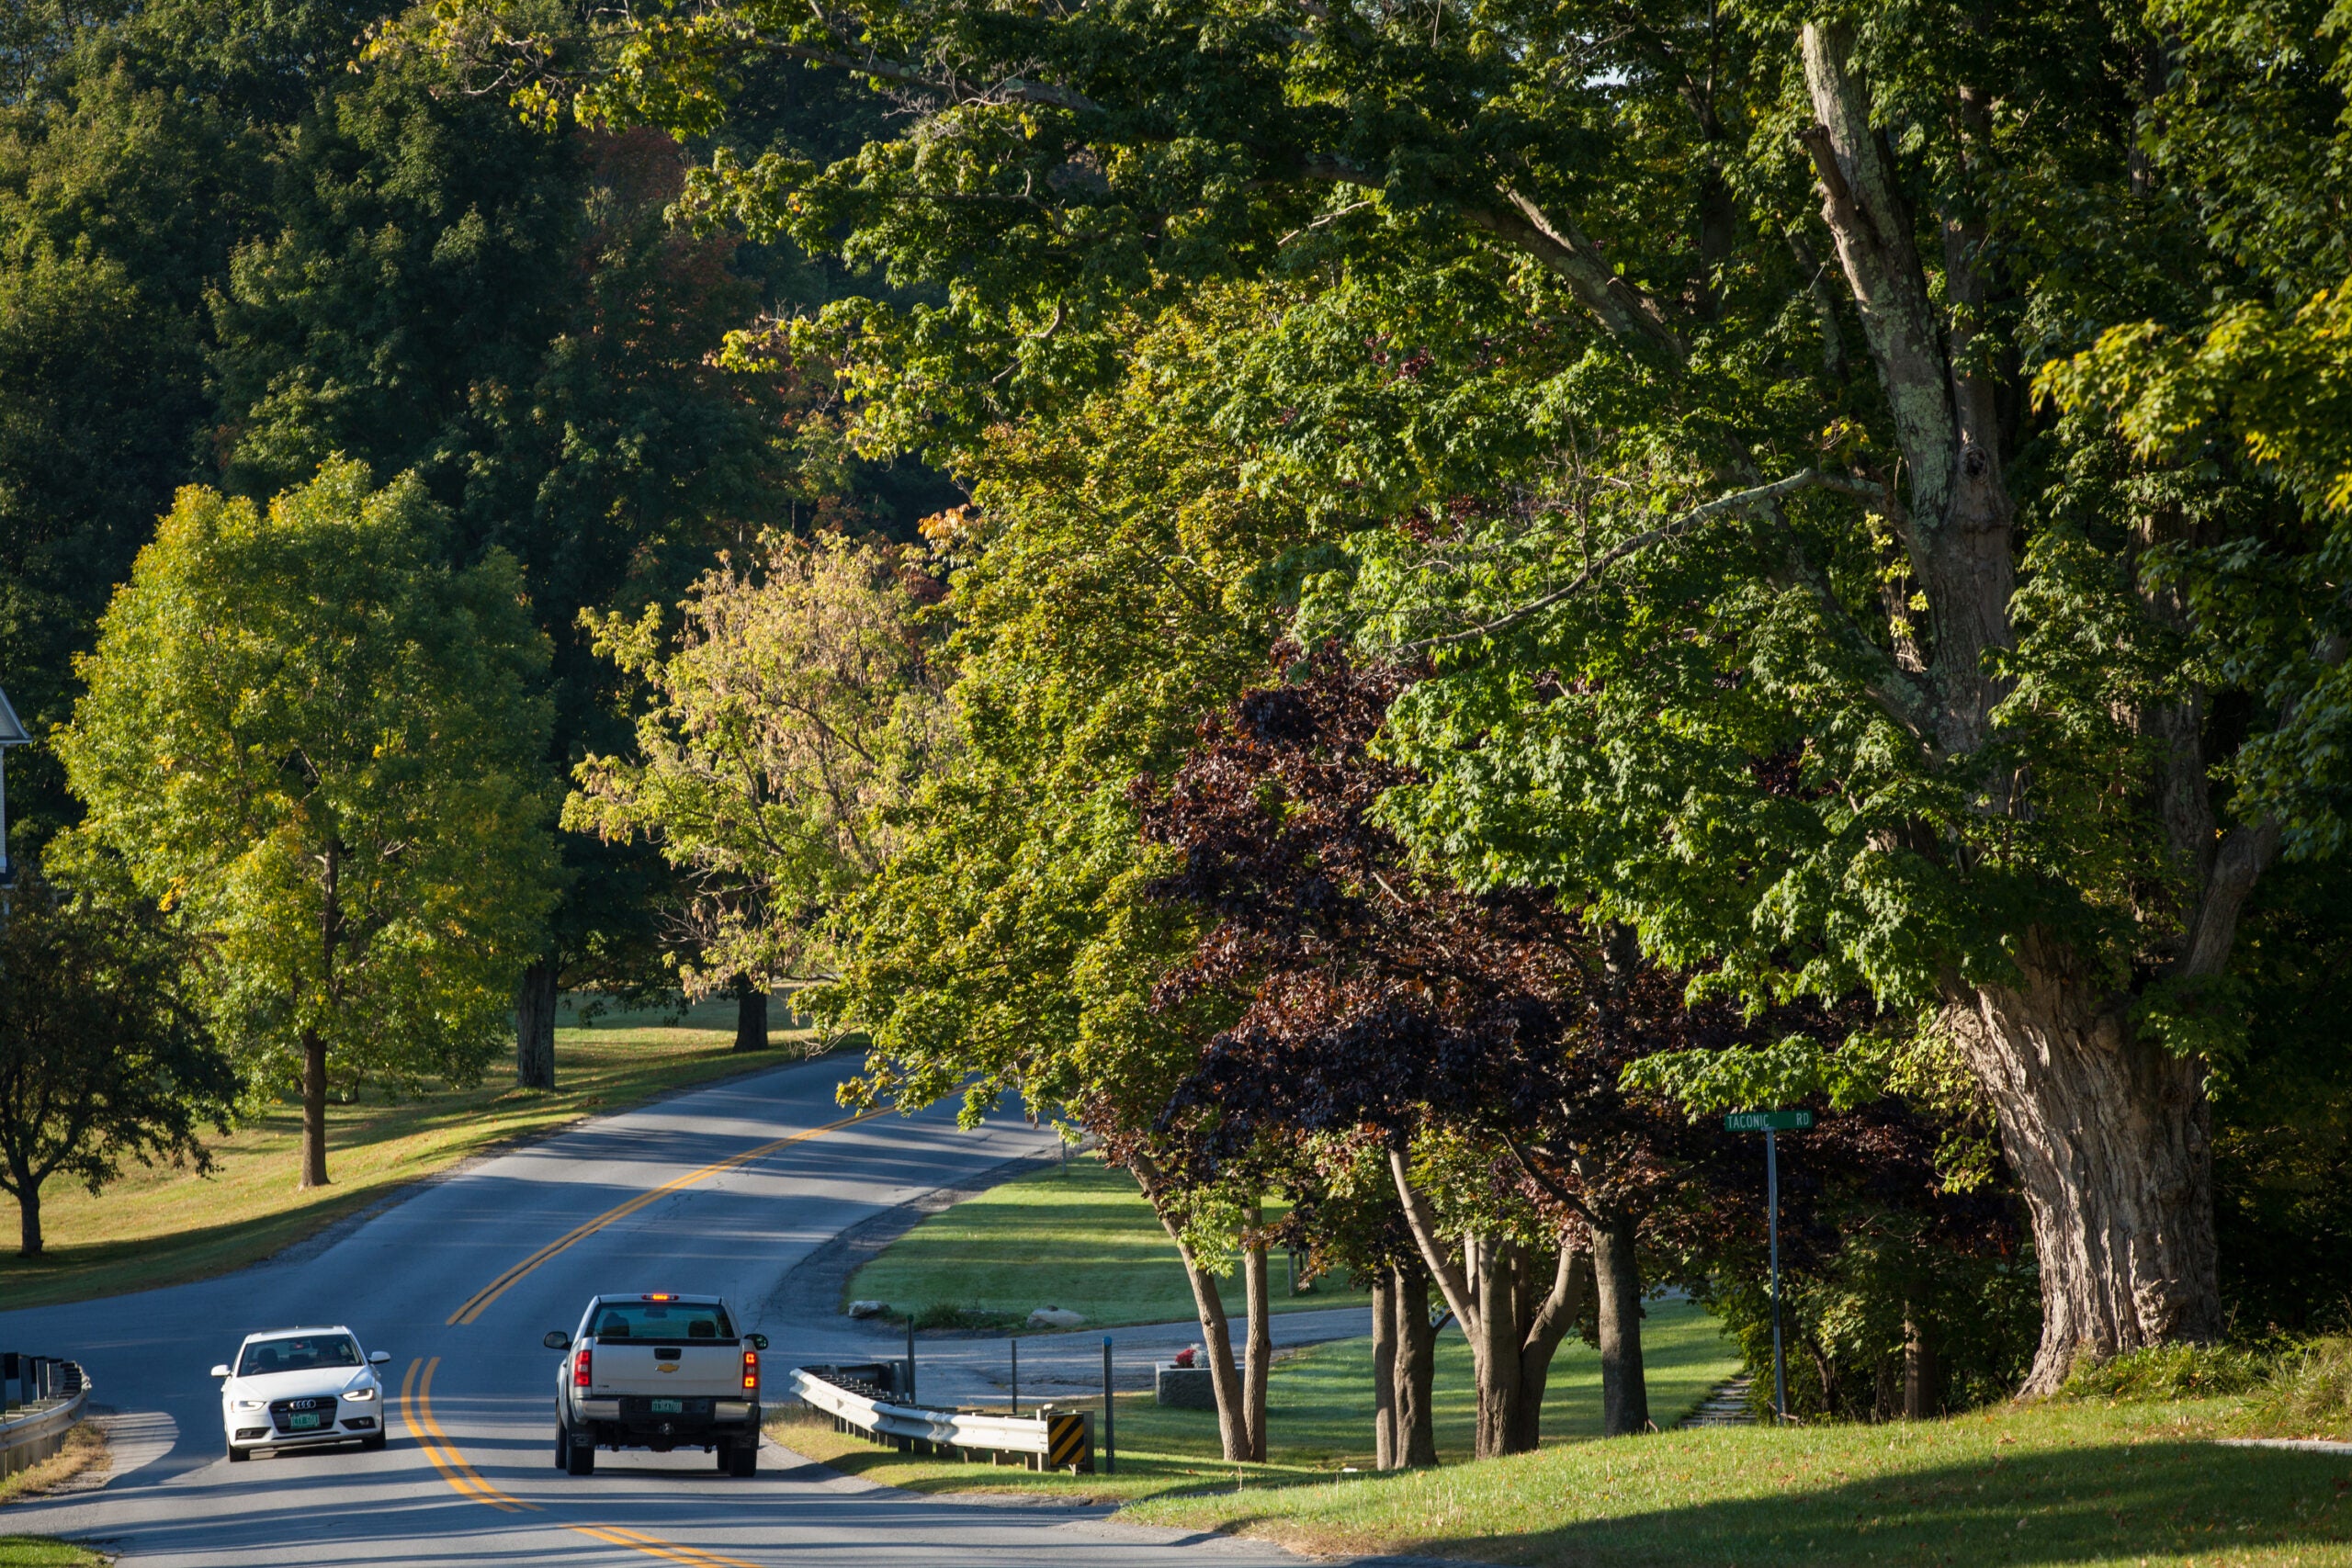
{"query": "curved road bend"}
[(721, 1190)]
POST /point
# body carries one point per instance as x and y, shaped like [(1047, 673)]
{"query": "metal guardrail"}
[(857, 1403), (56, 1396)]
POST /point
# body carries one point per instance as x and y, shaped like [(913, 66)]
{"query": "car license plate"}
[(304, 1421), (668, 1407)]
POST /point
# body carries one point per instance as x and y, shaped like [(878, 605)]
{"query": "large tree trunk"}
[(315, 1109), (1415, 1369), (28, 1219), (751, 1014), (1514, 1327), (2106, 1132), (1495, 1270), (1922, 1393), (1617, 1278), (2109, 1134), (535, 1009), (1259, 1357), (1384, 1369)]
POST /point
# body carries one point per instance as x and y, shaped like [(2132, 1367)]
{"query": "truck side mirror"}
[(557, 1339), (758, 1341)]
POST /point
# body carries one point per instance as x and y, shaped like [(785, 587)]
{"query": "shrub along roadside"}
[(2298, 1391), (2310, 1393)]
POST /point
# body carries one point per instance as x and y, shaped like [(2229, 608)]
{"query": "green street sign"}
[(1767, 1121)]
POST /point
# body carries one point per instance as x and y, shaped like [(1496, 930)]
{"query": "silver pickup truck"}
[(658, 1371)]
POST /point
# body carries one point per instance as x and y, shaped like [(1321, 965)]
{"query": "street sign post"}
[(1771, 1123), (11, 733)]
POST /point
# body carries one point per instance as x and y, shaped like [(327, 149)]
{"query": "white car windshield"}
[(297, 1353)]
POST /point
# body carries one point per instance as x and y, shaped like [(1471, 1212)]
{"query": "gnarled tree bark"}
[(2110, 1135)]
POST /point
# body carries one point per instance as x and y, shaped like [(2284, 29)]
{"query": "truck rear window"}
[(662, 1323)]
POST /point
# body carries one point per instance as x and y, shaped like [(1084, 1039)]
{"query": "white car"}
[(292, 1388)]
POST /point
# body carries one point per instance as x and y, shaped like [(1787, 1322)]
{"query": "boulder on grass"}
[(869, 1309), (1055, 1318)]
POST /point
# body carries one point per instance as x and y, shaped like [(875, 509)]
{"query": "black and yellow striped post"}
[(1068, 1441)]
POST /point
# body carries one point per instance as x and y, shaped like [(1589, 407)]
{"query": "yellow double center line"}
[(416, 1391), (416, 1409), (479, 1302)]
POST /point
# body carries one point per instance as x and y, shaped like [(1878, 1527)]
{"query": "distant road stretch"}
[(721, 1190)]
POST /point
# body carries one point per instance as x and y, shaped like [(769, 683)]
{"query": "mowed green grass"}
[(1080, 1238), (163, 1226), (43, 1551), (1318, 1419), (2083, 1485)]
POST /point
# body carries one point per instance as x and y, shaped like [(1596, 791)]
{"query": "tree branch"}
[(1451, 1280), (1626, 314), (1559, 1312), (1665, 533), (2244, 854), (1011, 90)]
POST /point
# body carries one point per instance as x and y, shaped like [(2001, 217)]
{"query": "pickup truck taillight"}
[(751, 1368), (579, 1369)]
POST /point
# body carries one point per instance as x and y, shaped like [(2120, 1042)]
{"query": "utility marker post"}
[(11, 733), (1110, 1415), (1771, 1123), (911, 1356), (1016, 1375)]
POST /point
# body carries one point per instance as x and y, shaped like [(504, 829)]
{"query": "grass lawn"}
[(1318, 1419), (2062, 1483), (42, 1551), (163, 1226), (1078, 1237)]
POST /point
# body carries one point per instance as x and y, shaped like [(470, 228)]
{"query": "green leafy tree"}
[(228, 255), (793, 709), (1111, 582), (103, 1055), (1676, 369), (316, 745)]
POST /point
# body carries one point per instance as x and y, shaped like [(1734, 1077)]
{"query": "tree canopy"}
[(315, 746), (104, 1055), (1678, 378)]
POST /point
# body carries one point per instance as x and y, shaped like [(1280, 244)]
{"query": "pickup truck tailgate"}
[(667, 1371)]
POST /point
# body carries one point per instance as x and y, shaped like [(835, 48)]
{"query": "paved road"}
[(722, 1189)]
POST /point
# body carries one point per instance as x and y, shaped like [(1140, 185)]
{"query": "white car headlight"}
[(358, 1393), (249, 1405)]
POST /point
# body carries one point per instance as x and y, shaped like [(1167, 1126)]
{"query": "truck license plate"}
[(668, 1407), (304, 1421)]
